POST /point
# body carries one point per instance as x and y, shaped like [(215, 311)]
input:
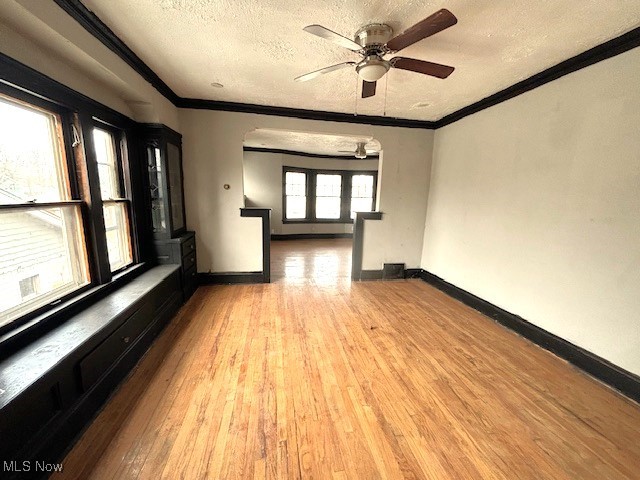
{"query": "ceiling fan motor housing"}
[(373, 39), (373, 35)]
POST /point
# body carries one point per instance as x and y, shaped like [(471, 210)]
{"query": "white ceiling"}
[(256, 48), (309, 142)]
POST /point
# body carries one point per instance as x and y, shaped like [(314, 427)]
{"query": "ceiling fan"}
[(360, 152), (374, 41)]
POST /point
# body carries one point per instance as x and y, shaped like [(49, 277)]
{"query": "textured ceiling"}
[(308, 142), (256, 48)]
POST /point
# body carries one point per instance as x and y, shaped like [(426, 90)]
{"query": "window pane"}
[(295, 183), (105, 148), (116, 223), (360, 205), (361, 194), (42, 258), (328, 192), (296, 207), (154, 166), (328, 207), (362, 186), (175, 186), (32, 165), (328, 185), (296, 191)]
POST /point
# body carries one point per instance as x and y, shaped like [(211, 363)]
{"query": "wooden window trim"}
[(74, 111)]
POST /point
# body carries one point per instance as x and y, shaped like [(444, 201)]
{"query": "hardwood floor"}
[(365, 380), (324, 261)]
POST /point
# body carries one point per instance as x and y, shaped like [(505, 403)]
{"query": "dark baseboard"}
[(377, 274), (371, 275), (614, 376), (412, 272), (229, 278), (309, 236)]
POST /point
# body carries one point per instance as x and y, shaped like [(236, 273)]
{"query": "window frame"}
[(77, 116), (345, 196), (340, 196), (123, 183), (284, 192)]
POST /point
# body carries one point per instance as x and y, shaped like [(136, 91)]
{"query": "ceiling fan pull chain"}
[(355, 101), (386, 85)]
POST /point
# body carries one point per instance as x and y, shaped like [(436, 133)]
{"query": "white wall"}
[(534, 205), (212, 143), (263, 186)]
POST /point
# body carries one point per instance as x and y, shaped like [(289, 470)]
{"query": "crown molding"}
[(311, 155), (601, 52), (201, 104), (92, 24), (104, 34)]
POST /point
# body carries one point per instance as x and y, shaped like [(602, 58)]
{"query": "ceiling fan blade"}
[(332, 36), (429, 26), (368, 89), (420, 66), (346, 151), (322, 71)]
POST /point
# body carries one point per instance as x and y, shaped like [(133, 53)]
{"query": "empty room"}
[(342, 240)]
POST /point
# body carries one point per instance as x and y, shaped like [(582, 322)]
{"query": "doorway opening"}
[(313, 183)]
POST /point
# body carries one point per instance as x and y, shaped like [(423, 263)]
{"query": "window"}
[(115, 206), (65, 208), (296, 196), (43, 255), (361, 194), (326, 196)]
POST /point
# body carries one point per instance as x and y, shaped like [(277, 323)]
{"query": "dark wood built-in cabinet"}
[(182, 251), (162, 149), (54, 386)]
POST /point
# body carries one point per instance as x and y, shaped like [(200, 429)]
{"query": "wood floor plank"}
[(313, 379)]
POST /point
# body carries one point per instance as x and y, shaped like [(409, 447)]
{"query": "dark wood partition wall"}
[(265, 215), (262, 276), (358, 242)]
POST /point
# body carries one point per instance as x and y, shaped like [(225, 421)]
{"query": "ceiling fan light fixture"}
[(373, 42), (372, 69)]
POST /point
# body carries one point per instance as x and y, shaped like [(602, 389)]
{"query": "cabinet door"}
[(175, 187), (157, 190)]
